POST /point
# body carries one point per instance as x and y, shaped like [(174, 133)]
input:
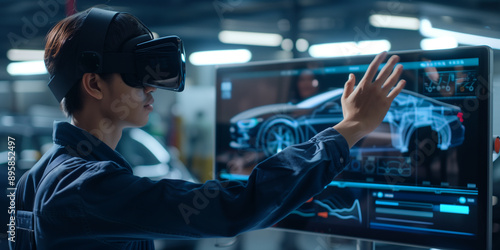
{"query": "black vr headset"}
[(142, 60)]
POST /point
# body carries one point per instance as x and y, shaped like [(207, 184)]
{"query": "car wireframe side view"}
[(271, 128)]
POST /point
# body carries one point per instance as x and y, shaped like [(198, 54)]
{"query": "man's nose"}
[(149, 89)]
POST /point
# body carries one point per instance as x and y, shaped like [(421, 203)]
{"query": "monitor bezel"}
[(485, 55)]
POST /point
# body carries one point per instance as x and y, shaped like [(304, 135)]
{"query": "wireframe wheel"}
[(277, 137)]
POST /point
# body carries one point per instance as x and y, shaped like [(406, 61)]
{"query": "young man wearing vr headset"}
[(82, 194)]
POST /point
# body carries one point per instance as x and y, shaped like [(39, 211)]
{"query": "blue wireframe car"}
[(271, 128)]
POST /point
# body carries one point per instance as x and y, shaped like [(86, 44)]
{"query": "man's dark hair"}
[(123, 27)]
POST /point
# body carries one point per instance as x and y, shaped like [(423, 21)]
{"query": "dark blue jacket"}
[(93, 201)]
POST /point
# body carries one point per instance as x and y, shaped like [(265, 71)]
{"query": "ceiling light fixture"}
[(27, 68), (220, 57), (250, 38), (438, 43), (349, 48), (287, 44), (302, 45), (25, 54), (427, 30), (394, 22)]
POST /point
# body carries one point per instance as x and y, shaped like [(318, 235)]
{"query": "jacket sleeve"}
[(118, 203)]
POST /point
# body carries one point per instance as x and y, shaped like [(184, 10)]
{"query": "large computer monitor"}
[(422, 178)]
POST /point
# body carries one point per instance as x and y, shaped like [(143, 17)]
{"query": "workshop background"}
[(182, 124)]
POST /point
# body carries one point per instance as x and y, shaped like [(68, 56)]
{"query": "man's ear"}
[(91, 83)]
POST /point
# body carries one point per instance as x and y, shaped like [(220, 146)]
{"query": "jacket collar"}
[(81, 143)]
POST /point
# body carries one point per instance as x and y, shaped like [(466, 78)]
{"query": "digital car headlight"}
[(248, 123)]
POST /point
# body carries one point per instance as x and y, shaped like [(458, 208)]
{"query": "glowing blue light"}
[(462, 200)]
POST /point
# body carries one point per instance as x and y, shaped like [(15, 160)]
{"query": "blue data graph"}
[(450, 83), (327, 209)]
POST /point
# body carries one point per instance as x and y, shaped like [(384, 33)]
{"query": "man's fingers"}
[(388, 68), (373, 68), (396, 90), (349, 86), (393, 78)]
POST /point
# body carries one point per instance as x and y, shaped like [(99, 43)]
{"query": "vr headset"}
[(142, 60)]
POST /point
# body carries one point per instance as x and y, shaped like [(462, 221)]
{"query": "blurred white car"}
[(147, 156)]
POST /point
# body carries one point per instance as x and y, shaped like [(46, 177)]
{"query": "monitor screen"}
[(421, 178)]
